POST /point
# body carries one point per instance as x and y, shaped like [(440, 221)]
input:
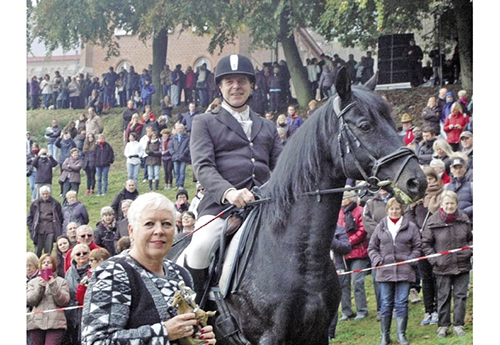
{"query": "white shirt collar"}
[(243, 115)]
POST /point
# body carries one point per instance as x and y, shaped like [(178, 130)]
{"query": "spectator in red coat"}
[(440, 167), (407, 132), (350, 217), (455, 124), (84, 235)]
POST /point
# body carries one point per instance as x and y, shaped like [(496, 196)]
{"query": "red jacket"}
[(357, 237), (81, 289), (190, 80), (453, 136), (67, 259), (409, 136)]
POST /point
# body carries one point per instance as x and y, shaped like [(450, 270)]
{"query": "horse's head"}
[(370, 147)]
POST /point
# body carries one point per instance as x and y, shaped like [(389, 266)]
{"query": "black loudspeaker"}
[(391, 63)]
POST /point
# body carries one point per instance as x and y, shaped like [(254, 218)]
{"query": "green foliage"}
[(361, 22)]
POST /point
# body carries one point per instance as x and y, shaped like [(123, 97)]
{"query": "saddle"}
[(236, 244)]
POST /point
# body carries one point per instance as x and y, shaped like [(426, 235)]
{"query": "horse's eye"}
[(364, 126)]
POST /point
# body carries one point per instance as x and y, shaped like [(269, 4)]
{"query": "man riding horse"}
[(233, 149)]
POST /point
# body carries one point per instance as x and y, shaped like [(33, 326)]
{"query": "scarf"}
[(349, 220), (448, 218), (394, 220), (432, 199)]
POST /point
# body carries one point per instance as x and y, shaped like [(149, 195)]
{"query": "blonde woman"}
[(442, 151)]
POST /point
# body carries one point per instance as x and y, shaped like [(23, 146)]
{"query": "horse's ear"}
[(343, 83), (372, 83)]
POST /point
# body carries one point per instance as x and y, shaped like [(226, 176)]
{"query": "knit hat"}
[(181, 192)]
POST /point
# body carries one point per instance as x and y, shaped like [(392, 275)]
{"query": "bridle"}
[(347, 140)]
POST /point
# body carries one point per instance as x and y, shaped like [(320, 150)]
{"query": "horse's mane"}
[(302, 162)]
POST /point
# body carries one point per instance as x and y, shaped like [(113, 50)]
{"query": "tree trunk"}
[(463, 15), (160, 43), (298, 71)]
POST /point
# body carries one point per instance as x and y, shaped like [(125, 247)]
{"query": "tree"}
[(361, 22), (73, 23), (274, 21)]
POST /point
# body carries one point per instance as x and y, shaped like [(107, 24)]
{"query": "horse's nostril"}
[(413, 185)]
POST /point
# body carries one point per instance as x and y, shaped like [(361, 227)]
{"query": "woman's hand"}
[(84, 281), (207, 334), (181, 326)]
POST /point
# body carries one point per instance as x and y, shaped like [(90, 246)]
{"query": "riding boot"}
[(200, 281), (150, 184), (156, 184), (385, 325), (401, 323)]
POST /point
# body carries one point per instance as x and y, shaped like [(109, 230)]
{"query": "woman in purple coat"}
[(70, 176), (395, 239), (35, 93)]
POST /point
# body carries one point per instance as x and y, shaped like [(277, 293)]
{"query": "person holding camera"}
[(47, 291), (43, 164), (455, 124)]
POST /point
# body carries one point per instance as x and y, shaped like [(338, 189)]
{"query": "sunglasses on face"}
[(87, 235), (82, 253)]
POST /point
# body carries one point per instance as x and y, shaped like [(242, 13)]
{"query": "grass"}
[(348, 333), (367, 331)]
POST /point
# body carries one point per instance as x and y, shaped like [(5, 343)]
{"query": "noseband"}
[(347, 138)]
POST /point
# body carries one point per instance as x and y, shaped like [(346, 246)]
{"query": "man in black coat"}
[(45, 219), (426, 150), (131, 82), (414, 55), (128, 192)]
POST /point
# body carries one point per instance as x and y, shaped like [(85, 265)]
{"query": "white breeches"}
[(204, 243)]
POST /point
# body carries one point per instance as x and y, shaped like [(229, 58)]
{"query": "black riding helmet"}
[(234, 64)]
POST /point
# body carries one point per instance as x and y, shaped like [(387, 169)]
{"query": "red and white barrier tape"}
[(52, 310), (446, 252)]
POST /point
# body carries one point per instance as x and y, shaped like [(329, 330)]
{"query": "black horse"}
[(289, 291)]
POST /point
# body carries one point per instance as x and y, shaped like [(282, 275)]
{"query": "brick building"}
[(183, 48)]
